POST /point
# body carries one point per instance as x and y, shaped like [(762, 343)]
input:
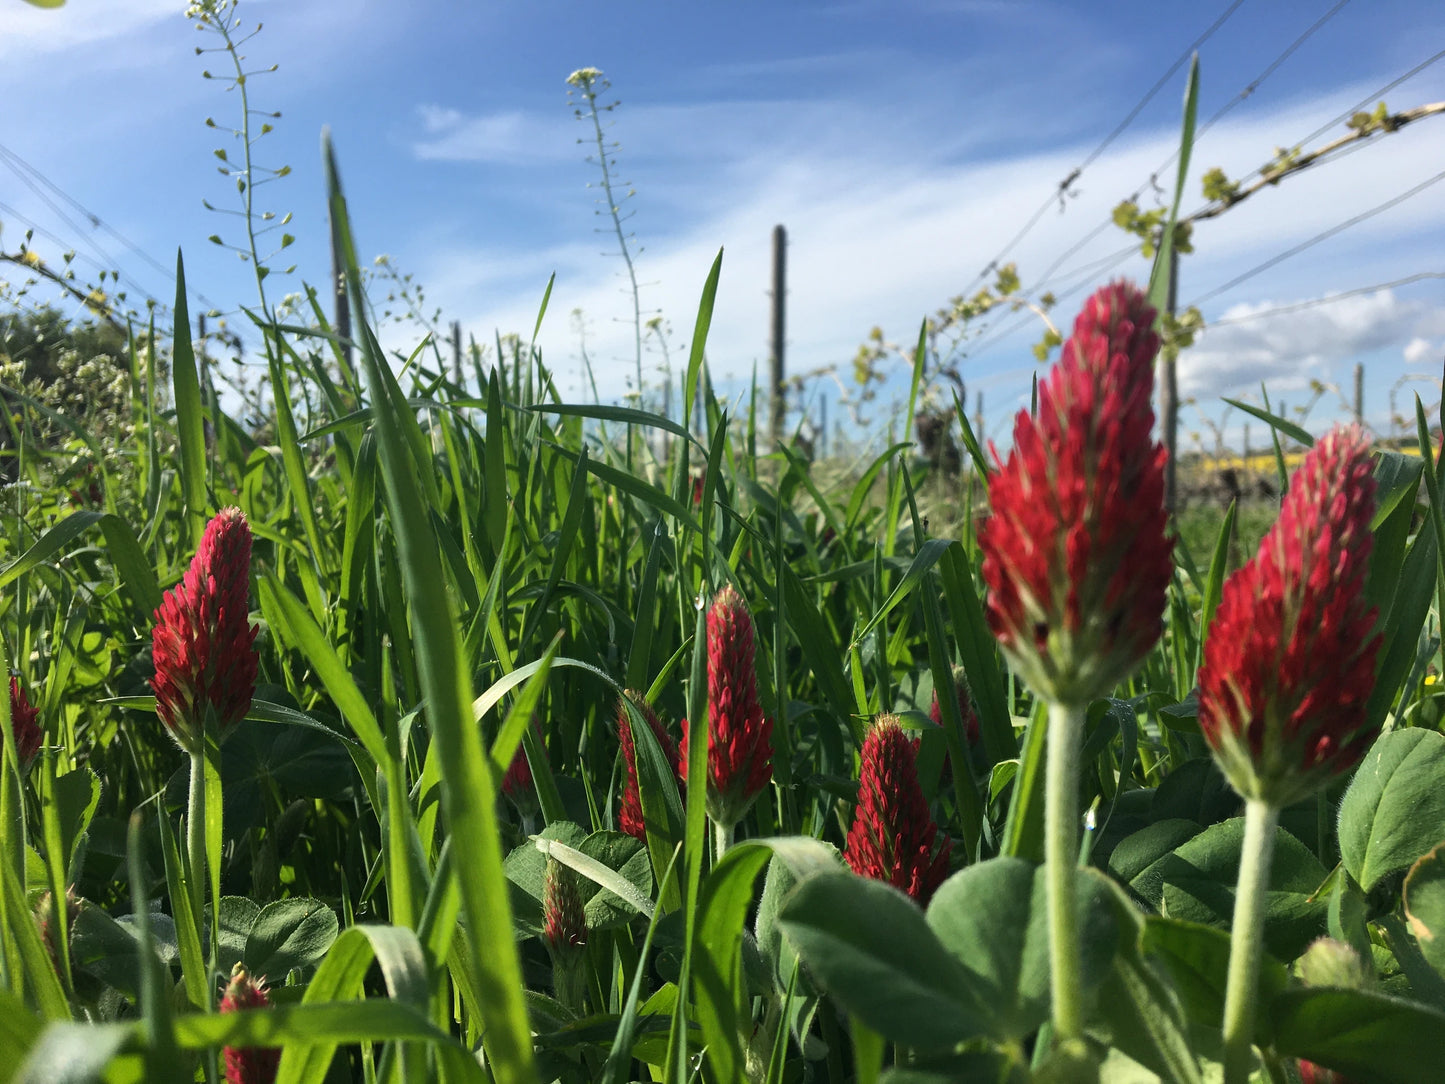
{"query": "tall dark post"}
[(823, 427), (1359, 394), (775, 367), (1169, 393), (341, 306), (978, 417), (457, 352)]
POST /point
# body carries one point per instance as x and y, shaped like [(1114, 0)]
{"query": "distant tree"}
[(79, 371)]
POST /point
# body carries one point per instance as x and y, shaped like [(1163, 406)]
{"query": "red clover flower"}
[(1289, 662), (740, 737), (629, 817), (24, 725), (248, 1064), (203, 643), (893, 837), (1075, 555)]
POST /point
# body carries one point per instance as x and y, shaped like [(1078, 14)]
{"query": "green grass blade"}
[(699, 339), (468, 794), (190, 426)]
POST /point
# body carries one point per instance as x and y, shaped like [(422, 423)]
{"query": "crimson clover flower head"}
[(893, 837), (1075, 555), (24, 724), (564, 914), (203, 643), (629, 817), (248, 1064), (1289, 662), (740, 737)]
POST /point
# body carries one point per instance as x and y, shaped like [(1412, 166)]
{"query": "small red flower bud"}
[(203, 643), (564, 917), (740, 738), (45, 919), (24, 725), (629, 817), (966, 711), (1289, 662), (1075, 555), (518, 785), (1310, 1073), (249, 1064), (893, 837)]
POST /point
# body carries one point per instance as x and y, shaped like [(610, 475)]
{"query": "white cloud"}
[(1418, 350), (881, 233), (1289, 350), (28, 33)]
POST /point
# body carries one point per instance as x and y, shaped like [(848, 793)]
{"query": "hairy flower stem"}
[(196, 836), (722, 839), (1061, 856), (1260, 819)]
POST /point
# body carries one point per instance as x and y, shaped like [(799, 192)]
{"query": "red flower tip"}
[(966, 711), (1310, 1073), (1075, 555), (203, 643), (1289, 662), (24, 725), (893, 837), (564, 915), (740, 738), (45, 919), (629, 817), (517, 783), (248, 1064)]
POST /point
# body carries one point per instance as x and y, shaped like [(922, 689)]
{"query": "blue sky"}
[(902, 143)]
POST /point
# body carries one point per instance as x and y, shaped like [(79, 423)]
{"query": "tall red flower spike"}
[(893, 837), (203, 643), (629, 817), (740, 738), (248, 1064), (1075, 555), (24, 724), (1289, 662)]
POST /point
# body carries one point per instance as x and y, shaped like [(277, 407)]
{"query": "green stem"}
[(196, 836), (1247, 943), (722, 839), (1061, 855)]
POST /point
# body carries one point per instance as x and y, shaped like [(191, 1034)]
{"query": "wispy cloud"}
[(29, 34), (880, 234), (1290, 350)]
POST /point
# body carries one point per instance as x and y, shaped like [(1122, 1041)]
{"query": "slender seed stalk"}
[(1247, 943), (1061, 856)]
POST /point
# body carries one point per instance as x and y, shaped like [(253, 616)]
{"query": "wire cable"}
[(1295, 250), (1061, 189), (1328, 299)]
